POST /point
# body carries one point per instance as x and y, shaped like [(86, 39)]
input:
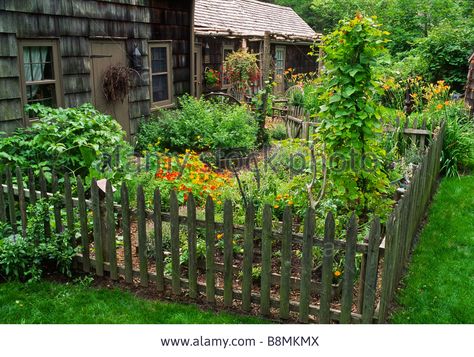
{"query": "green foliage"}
[(73, 140), (350, 121), (278, 131), (457, 155), (26, 258), (445, 52), (198, 125)]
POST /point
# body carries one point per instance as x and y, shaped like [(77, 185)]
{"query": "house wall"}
[(75, 24)]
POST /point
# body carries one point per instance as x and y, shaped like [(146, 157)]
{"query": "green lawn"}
[(439, 287), (51, 303)]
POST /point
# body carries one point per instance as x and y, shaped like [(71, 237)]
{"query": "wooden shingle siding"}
[(11, 109), (8, 47), (74, 24), (10, 88)]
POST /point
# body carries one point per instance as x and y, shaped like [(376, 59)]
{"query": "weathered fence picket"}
[(285, 264), (99, 257), (248, 257), (127, 242), (306, 265), (21, 200), (110, 233), (3, 215), (82, 210), (265, 280), (327, 273), (175, 266), (210, 252), (349, 272), (58, 222), (158, 242), (142, 247), (11, 200), (192, 247), (372, 263), (228, 253)]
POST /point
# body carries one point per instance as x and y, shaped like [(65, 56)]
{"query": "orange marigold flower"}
[(439, 106), (337, 273)]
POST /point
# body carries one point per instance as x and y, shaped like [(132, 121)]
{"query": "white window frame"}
[(56, 69), (170, 101), (224, 49)]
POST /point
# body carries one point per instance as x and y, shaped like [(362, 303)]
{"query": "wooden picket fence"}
[(223, 280)]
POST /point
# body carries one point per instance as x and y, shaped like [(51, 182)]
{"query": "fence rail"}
[(286, 287)]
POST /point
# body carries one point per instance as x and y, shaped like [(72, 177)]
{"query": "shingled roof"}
[(250, 18)]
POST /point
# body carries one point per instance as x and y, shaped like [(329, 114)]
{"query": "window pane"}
[(38, 63), (160, 87), (159, 60), (41, 93)]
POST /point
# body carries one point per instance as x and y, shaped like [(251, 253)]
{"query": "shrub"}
[(73, 140), (198, 125), (26, 258)]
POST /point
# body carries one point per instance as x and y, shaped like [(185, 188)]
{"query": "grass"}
[(439, 287), (55, 303)]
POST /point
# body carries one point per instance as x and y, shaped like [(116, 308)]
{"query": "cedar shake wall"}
[(73, 23)]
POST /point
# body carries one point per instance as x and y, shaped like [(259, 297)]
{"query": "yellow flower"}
[(278, 197), (276, 206), (290, 203), (220, 235), (337, 273), (439, 106)]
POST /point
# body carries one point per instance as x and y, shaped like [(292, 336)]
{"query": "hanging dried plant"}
[(116, 83)]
